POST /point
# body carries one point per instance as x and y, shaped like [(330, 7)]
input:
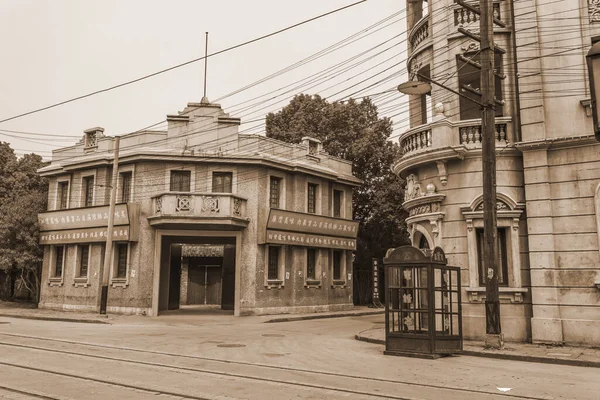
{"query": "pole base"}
[(103, 299), (494, 341)]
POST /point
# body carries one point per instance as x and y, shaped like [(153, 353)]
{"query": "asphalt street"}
[(215, 356)]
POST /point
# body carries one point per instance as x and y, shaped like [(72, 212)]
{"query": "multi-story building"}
[(204, 215), (548, 163)]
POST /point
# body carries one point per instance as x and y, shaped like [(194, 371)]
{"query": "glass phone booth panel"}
[(423, 314)]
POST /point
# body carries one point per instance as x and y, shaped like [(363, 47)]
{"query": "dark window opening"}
[(311, 264), (58, 266), (337, 203), (221, 182), (337, 265), (469, 76), (84, 257), (63, 193), (275, 192), (125, 187), (89, 191), (502, 258), (121, 260), (273, 272), (312, 198), (180, 181)]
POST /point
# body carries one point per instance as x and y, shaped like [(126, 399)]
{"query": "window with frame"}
[(312, 197), (337, 265), (63, 195), (221, 182), (180, 181), (274, 255), (126, 187), (122, 250), (88, 195), (311, 264), (275, 192), (337, 203), (469, 83), (59, 259), (84, 259), (502, 257)]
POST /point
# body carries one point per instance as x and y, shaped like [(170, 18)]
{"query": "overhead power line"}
[(182, 64)]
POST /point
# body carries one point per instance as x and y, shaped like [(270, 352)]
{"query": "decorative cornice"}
[(427, 199), (555, 143)]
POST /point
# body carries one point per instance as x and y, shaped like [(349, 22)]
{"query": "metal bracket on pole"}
[(478, 39)]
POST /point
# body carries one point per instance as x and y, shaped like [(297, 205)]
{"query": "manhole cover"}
[(231, 345), (273, 335)]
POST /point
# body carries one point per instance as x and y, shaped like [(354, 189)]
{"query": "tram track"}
[(380, 387), (31, 394)]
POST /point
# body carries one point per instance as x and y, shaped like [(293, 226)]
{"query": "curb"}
[(317, 316), (512, 357), (59, 319)]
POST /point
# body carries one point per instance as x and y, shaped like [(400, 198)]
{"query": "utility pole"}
[(105, 272), (494, 337), (204, 98)]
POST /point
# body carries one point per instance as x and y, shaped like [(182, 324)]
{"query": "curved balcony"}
[(419, 33), (223, 211), (444, 140)]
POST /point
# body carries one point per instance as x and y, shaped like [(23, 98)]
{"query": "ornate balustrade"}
[(471, 134), (417, 140), (464, 16), (420, 32), (444, 139), (198, 208)]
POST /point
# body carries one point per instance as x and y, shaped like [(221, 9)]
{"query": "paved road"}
[(223, 357)]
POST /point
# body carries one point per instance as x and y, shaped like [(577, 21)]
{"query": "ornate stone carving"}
[(424, 209), (184, 203), (158, 205), (237, 207), (414, 69), (500, 205), (210, 204), (443, 174), (594, 10), (470, 47), (413, 188)]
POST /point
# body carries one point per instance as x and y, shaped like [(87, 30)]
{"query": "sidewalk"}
[(27, 311), (565, 355)]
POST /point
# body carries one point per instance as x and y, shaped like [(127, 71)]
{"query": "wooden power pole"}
[(105, 271), (494, 337)]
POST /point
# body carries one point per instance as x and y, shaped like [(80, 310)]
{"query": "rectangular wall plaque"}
[(310, 240)]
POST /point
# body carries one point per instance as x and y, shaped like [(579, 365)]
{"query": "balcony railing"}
[(446, 134), (464, 16), (199, 205), (419, 33), (418, 140)]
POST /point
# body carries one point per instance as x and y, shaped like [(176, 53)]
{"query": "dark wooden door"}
[(175, 277), (204, 284), (213, 284), (228, 278), (195, 285)]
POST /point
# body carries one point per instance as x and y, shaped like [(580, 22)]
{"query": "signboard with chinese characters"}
[(87, 225), (311, 224), (84, 235), (375, 279), (82, 218), (310, 240)]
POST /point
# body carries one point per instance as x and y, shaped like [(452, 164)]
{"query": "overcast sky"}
[(53, 50)]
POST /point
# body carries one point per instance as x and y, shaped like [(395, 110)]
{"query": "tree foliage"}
[(354, 131), (23, 194)]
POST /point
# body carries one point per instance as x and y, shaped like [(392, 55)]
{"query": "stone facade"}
[(548, 164), (198, 183)]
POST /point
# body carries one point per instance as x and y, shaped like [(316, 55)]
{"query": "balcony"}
[(463, 17), (444, 140), (220, 211), (419, 33)]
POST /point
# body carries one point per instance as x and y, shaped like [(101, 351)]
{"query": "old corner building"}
[(548, 163), (204, 216)]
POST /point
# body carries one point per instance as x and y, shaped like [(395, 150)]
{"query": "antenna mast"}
[(204, 98)]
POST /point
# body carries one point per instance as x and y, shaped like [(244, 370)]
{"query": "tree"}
[(354, 131), (23, 194)]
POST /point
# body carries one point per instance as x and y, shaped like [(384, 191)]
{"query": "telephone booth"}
[(422, 304)]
